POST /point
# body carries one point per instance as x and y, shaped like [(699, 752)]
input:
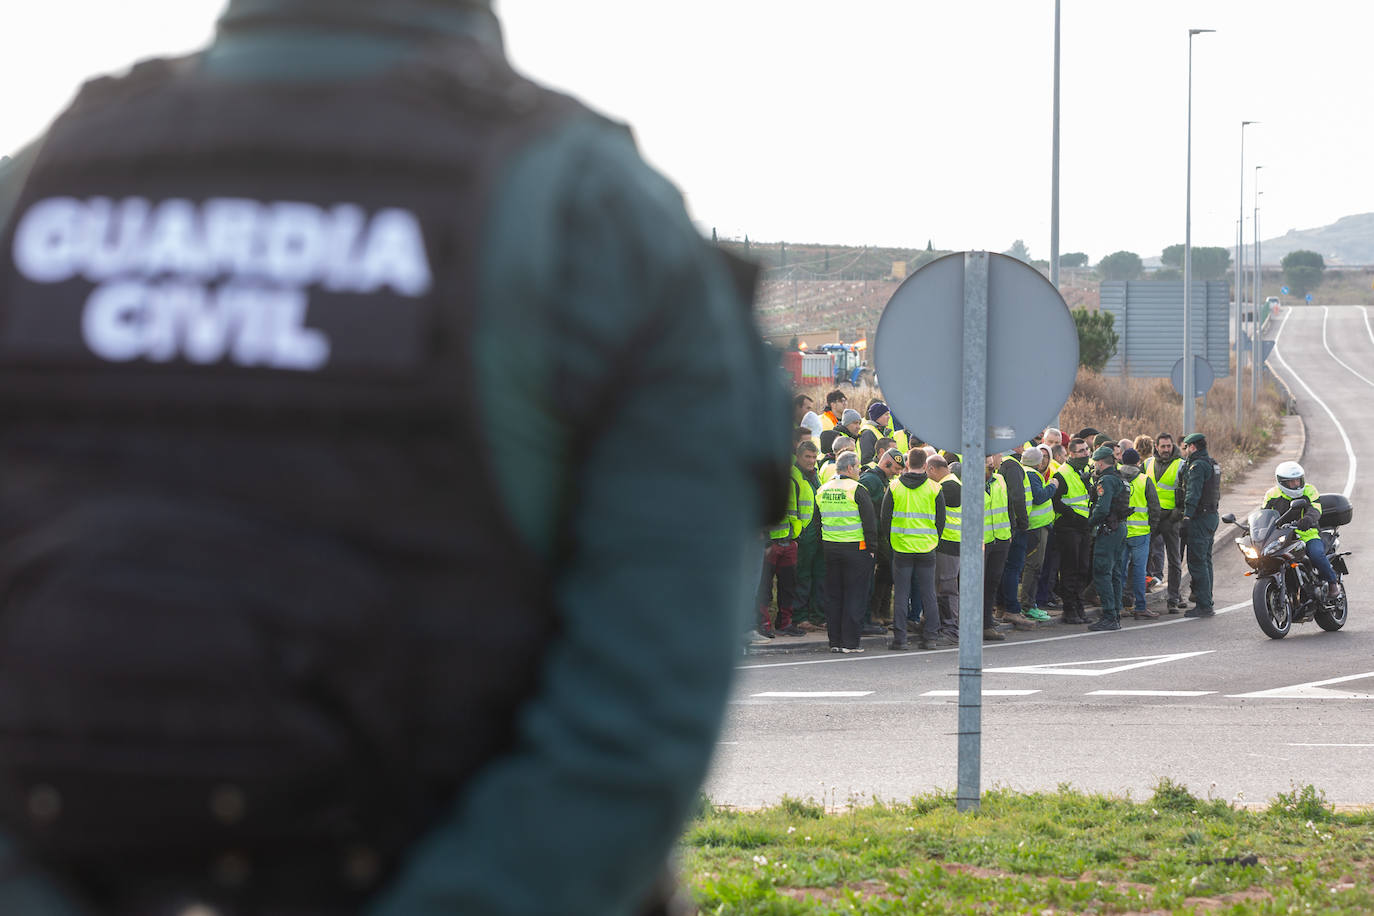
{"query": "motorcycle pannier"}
[(1336, 510)]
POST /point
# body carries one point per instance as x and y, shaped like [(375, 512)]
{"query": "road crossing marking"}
[(1149, 693), (1077, 669), (810, 694), (986, 693), (1313, 690)]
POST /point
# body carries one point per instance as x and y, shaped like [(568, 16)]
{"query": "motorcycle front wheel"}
[(1333, 618), (1272, 613)]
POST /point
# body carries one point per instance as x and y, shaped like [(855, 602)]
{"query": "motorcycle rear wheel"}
[(1334, 619), (1272, 613)]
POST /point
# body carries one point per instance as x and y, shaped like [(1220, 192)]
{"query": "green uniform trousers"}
[(1107, 572), (810, 581), (1201, 531)]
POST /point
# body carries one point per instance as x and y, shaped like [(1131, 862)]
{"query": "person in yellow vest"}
[(1072, 535), (810, 605), (1290, 483), (780, 559), (1144, 516), (838, 446), (1163, 468), (910, 522), (1039, 517), (947, 551), (996, 538), (848, 533), (835, 403), (876, 426)]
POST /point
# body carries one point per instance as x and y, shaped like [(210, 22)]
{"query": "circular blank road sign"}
[(1203, 376), (1032, 352)]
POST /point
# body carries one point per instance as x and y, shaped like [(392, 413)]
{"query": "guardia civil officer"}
[(276, 637), (1202, 495), (1108, 521)]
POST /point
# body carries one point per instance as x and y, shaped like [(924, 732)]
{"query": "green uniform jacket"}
[(589, 257), (1109, 484), (1195, 475)]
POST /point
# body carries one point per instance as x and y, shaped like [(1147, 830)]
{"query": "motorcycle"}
[(1288, 589)]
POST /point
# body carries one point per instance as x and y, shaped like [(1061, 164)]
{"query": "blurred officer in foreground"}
[(277, 639)]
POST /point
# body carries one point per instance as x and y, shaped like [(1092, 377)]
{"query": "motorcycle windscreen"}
[(1262, 523)]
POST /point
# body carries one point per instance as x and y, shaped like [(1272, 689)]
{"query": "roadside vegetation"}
[(1043, 853)]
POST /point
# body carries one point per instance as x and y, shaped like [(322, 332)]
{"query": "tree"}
[(1073, 259), (1019, 251), (1302, 271), (1209, 263), (1097, 339), (1120, 265)]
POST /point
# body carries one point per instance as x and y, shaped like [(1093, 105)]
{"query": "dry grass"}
[(1126, 408)]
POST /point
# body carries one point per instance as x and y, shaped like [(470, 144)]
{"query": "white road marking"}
[(986, 693), (1332, 354), (1148, 693), (1349, 449), (1075, 669), (1313, 690), (809, 694), (890, 656), (1331, 745)]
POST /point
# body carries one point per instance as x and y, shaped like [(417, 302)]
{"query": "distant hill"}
[(1347, 241)]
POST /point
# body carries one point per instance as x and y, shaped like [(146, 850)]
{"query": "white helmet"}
[(1291, 478)]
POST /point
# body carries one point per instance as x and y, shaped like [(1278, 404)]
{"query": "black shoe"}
[(1176, 606), (836, 649), (1073, 618), (792, 630), (896, 646), (872, 629), (1105, 623), (1199, 612), (992, 634), (766, 631)]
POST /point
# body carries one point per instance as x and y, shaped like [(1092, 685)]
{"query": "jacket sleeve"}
[(940, 511), (868, 517), (1152, 502), (953, 494), (1102, 507), (884, 539), (1057, 495), (1039, 492), (1014, 475), (600, 296), (1196, 473)]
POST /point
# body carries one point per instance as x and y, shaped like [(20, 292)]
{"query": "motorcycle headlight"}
[(1249, 551)]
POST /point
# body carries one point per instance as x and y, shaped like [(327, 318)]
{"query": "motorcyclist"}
[(1291, 485)]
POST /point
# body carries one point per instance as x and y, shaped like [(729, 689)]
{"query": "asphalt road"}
[(1213, 704)]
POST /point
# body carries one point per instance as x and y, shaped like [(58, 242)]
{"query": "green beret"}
[(1195, 439), (1104, 453), (1102, 438)]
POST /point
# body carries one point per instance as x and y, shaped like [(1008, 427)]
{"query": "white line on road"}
[(890, 656), (1349, 449), (1312, 690), (1347, 366), (809, 694), (1077, 669), (986, 693), (1149, 693), (1331, 745)]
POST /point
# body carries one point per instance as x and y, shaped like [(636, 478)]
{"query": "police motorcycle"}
[(1288, 589)]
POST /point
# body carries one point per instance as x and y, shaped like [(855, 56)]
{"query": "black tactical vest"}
[(258, 599), (1210, 499)]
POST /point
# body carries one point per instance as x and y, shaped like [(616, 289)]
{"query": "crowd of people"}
[(871, 537)]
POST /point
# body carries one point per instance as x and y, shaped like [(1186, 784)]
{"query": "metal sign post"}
[(974, 419)]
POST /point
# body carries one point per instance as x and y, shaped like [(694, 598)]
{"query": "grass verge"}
[(1043, 853)]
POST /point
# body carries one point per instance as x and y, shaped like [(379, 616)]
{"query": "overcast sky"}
[(894, 122)]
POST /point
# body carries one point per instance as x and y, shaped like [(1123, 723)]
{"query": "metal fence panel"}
[(1149, 324)]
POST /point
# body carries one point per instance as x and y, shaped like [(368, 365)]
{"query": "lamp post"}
[(1188, 386), (1054, 163), (1257, 344), (1240, 273)]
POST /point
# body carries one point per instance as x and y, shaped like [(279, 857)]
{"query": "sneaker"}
[(766, 632), (792, 630), (992, 634), (1146, 614), (1152, 584), (1105, 623), (896, 646), (1199, 612), (872, 629), (836, 649), (852, 651), (1035, 613), (1050, 603), (1175, 605)]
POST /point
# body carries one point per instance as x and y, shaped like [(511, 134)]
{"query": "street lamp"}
[(1054, 163), (1188, 386), (1257, 344), (1240, 273)]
